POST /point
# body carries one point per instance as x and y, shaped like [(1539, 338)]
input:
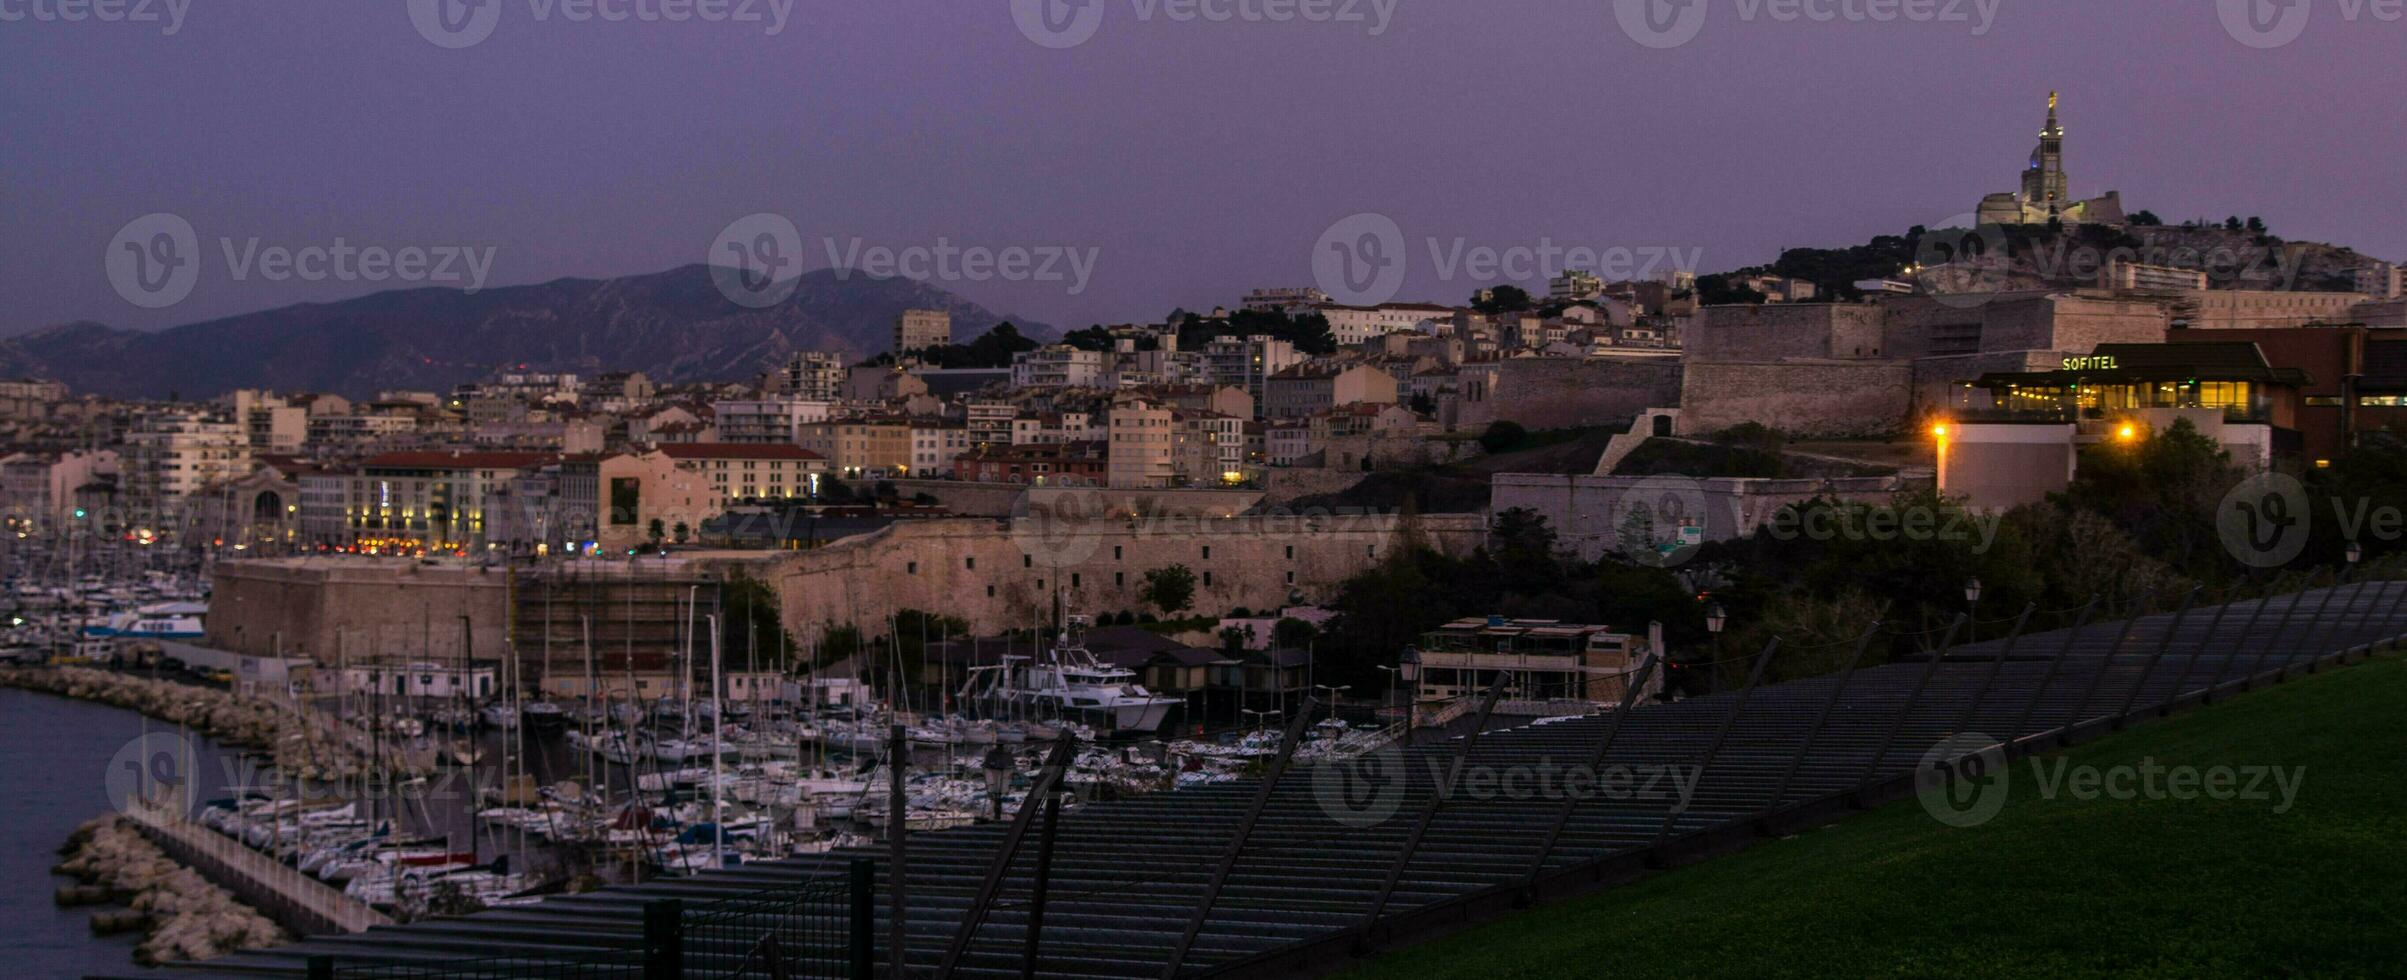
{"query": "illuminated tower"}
[(2044, 184)]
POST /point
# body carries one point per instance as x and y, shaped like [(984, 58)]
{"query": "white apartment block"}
[(742, 471), (768, 420), (171, 455), (1143, 447), (2383, 281), (922, 329), (1245, 364), (1056, 366), (934, 445), (1352, 325), (812, 375)]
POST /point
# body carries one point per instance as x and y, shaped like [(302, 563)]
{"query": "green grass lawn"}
[(2050, 887)]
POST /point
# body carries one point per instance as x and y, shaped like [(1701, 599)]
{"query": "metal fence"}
[(1316, 861), (815, 927)]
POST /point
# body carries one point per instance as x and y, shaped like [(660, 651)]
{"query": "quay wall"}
[(1003, 574)]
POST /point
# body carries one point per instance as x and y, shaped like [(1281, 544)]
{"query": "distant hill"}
[(673, 325), (2233, 259)]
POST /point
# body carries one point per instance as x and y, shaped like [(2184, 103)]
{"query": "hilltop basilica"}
[(2045, 196)]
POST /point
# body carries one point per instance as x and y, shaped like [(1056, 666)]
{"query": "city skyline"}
[(1207, 181)]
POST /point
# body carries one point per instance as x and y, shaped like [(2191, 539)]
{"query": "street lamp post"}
[(1972, 598), (1394, 675), (1261, 718), (1333, 690)]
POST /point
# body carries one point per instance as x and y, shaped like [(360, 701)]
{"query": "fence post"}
[(2172, 630), (2064, 733), (1897, 725), (898, 755), (1429, 814), (1554, 832), (1996, 667), (1044, 879), (2314, 627), (664, 939), (2039, 692), (1814, 734), (2223, 670), (1064, 750), (1672, 809), (2248, 681), (2213, 630), (863, 923), (1245, 829)]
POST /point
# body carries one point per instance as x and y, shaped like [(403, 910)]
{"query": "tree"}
[(1170, 589), (1501, 436), (681, 531), (1290, 633), (657, 531), (2146, 219), (2256, 224), (1094, 338), (1501, 299), (1234, 638), (2232, 223)]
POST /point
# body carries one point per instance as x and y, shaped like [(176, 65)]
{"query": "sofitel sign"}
[(2092, 363)]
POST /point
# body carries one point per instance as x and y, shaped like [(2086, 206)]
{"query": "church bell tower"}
[(2044, 183)]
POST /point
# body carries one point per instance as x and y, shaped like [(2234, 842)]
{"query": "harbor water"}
[(55, 759)]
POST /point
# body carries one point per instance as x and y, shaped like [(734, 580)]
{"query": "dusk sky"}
[(1195, 159)]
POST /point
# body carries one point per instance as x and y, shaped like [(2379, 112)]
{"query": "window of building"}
[(1291, 578), (969, 564), (1291, 552), (1207, 578), (911, 568), (1027, 561)]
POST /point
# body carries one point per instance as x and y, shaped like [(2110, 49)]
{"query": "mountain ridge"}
[(674, 325)]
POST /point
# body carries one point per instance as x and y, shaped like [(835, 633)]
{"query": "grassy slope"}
[(2050, 887)]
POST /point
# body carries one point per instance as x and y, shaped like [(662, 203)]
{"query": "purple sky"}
[(1198, 159)]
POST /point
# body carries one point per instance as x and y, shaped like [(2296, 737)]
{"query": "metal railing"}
[(813, 928)]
